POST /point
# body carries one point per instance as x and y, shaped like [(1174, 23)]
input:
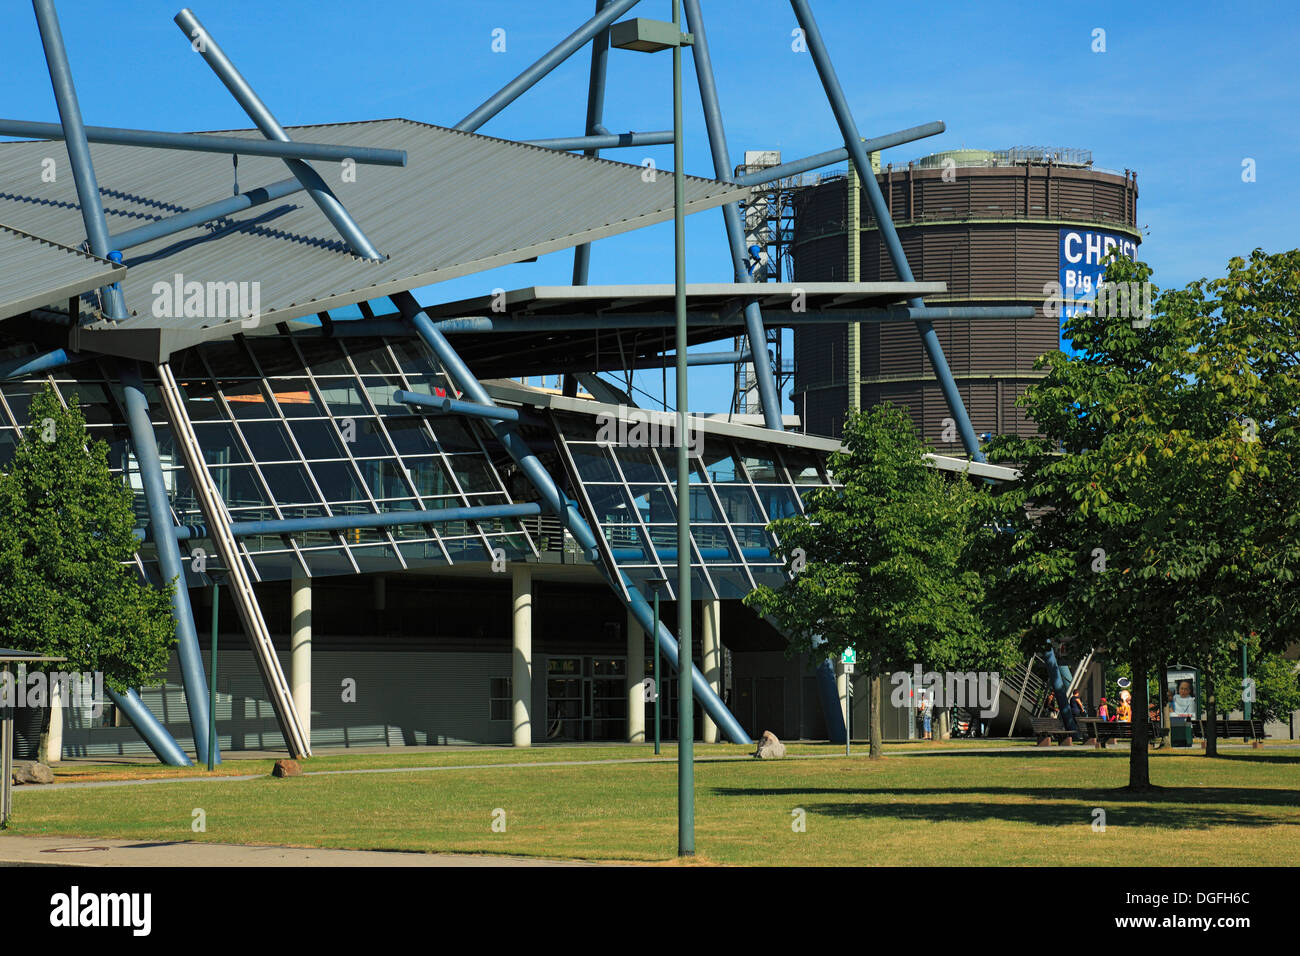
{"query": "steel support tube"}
[(592, 144), (201, 214), (36, 364), (771, 174), (557, 55), (205, 143), (595, 117), (83, 170), (169, 555), (392, 519), (261, 116), (184, 532), (568, 513), (767, 390), (150, 729), (454, 406), (849, 130)]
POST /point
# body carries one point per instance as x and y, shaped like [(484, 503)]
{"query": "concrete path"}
[(82, 851)]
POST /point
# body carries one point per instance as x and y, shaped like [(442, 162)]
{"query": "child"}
[(1103, 711)]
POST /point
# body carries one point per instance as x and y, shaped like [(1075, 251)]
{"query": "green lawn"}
[(963, 809)]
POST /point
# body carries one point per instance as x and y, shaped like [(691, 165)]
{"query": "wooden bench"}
[(1046, 729), (1101, 732), (1227, 729)]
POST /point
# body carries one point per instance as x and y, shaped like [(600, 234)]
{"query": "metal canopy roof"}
[(39, 272), (464, 203), (776, 298)]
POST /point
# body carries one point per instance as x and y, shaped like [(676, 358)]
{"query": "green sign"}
[(850, 656)]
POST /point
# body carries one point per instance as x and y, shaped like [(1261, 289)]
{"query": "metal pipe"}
[(591, 144), (771, 174), (169, 555), (83, 169), (150, 729), (206, 143), (849, 130), (201, 214), (184, 532), (261, 116), (35, 364), (558, 504), (391, 519), (456, 407), (594, 127), (558, 54), (768, 393), (561, 323)]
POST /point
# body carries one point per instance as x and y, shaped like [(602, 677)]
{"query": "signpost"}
[(847, 660), (7, 693)]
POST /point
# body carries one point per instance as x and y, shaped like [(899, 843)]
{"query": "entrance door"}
[(769, 705), (586, 698)]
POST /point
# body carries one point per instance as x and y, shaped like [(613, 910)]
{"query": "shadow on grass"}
[(1079, 750), (1054, 814)]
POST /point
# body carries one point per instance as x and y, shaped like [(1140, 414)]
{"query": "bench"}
[(1046, 729), (1101, 732), (1227, 729)]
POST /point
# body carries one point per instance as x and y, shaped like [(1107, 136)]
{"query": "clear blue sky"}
[(1183, 94)]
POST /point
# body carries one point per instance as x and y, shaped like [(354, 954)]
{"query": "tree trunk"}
[(1211, 732), (1139, 770), (874, 707), (43, 744)]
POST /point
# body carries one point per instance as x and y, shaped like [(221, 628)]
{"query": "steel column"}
[(849, 130), (169, 555), (592, 144), (35, 364), (771, 174), (261, 116), (557, 55), (149, 728), (767, 390), (201, 214), (595, 117), (83, 170), (568, 513)]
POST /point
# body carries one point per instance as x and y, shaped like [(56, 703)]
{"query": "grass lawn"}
[(1029, 807)]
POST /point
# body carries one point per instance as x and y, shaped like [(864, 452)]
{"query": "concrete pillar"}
[(300, 650), (711, 639), (635, 681), (842, 691), (521, 684)]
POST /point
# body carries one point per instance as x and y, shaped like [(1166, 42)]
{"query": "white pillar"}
[(521, 684), (842, 689), (711, 639), (635, 681), (300, 650), (53, 752)]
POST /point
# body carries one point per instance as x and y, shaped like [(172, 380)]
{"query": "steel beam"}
[(184, 532), (557, 55), (391, 519), (240, 584), (201, 214), (169, 555), (594, 143), (771, 174), (150, 729), (261, 116), (595, 119), (36, 364), (83, 170), (206, 143), (456, 407), (559, 504), (767, 390), (849, 130)]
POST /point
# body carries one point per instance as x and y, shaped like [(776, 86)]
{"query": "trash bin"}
[(1180, 732)]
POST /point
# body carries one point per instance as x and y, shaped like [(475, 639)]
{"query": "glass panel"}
[(759, 462), (779, 500), (200, 401), (371, 359), (739, 504), (343, 396), (8, 443), (289, 484), (219, 444), (702, 508), (247, 400), (593, 463), (381, 392), (229, 359), (410, 436), (453, 435), (338, 482), (639, 464), (385, 478), (94, 401), (295, 399), (722, 469), (324, 357), (239, 486), (331, 561), (430, 477), (731, 582), (803, 467), (713, 543), (268, 441), (473, 473), (654, 504), (275, 354), (362, 437), (318, 438), (755, 543), (610, 504)]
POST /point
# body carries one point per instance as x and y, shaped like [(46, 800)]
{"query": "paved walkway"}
[(82, 851)]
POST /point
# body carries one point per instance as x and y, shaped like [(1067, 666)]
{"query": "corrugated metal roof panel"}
[(464, 203), (36, 272)]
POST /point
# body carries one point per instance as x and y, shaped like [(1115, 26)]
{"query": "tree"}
[(1138, 523), (68, 583), (880, 565)]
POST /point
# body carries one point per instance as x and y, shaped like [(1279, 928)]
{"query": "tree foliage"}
[(68, 585)]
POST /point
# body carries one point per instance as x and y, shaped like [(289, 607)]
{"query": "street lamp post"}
[(655, 584), (214, 575), (649, 36)]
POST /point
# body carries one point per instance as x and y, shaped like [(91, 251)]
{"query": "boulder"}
[(30, 771), (286, 768), (769, 747)]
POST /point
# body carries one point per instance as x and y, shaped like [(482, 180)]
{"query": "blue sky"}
[(1183, 94)]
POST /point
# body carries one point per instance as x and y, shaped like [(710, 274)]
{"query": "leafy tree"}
[(884, 561), (68, 586), (1138, 521)]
